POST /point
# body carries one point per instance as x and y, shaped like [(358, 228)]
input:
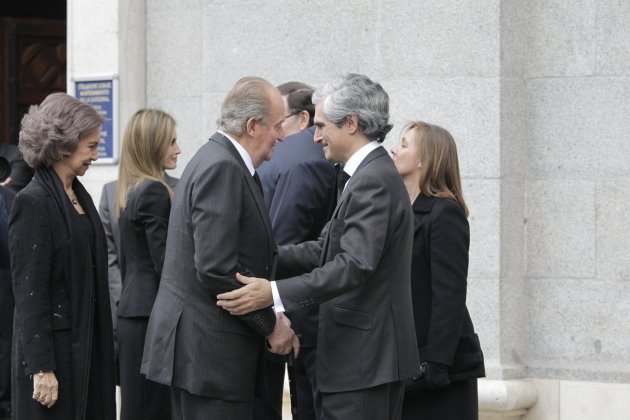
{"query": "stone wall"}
[(535, 94)]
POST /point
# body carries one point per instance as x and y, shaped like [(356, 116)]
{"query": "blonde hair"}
[(147, 137), (439, 165)]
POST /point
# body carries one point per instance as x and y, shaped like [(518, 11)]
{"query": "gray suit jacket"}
[(361, 279), (107, 212), (218, 226)]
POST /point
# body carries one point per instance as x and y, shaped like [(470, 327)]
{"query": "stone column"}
[(109, 38)]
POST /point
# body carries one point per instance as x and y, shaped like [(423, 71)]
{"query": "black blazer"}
[(439, 274), (219, 225), (143, 226), (107, 211)]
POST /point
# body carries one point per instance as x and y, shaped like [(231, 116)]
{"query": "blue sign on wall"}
[(101, 94)]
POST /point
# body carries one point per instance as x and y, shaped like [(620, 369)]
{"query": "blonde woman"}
[(450, 355), (143, 203)]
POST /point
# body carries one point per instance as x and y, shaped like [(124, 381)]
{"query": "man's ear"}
[(352, 124), (250, 126), (303, 120)]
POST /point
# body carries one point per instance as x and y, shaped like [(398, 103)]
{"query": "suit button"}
[(267, 268)]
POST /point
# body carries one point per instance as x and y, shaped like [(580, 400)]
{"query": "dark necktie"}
[(342, 178), (257, 179)]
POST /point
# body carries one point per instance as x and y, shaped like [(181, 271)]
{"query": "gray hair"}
[(52, 130), (356, 94), (249, 98)]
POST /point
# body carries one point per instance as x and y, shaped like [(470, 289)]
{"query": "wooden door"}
[(33, 66)]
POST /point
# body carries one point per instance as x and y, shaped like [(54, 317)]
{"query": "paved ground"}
[(286, 406)]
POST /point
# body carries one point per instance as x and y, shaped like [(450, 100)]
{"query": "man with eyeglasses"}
[(298, 188)]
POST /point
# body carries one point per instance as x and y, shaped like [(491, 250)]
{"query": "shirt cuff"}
[(277, 303)]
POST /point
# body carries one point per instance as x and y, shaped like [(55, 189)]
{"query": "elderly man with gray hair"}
[(219, 227), (359, 268)]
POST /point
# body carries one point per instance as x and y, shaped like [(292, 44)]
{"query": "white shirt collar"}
[(241, 151), (355, 160)]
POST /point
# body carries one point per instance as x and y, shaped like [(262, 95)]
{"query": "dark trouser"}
[(383, 402), (267, 404), (458, 401), (309, 398), (187, 406), (140, 398)]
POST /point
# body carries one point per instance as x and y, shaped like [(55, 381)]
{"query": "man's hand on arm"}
[(282, 340), (256, 294)]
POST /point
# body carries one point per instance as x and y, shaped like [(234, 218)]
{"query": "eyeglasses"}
[(292, 114)]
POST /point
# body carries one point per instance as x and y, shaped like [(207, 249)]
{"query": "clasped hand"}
[(282, 340), (254, 295)]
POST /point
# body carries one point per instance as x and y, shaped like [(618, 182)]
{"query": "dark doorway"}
[(33, 58)]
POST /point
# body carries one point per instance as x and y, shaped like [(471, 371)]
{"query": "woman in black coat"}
[(450, 354), (143, 204), (63, 354)]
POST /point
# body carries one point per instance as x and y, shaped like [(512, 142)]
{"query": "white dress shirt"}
[(241, 151)]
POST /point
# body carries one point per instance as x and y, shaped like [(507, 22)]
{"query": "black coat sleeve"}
[(153, 208), (448, 241), (32, 251)]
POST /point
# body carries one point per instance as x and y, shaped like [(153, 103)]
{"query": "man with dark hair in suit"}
[(219, 227), (358, 271), (298, 185)]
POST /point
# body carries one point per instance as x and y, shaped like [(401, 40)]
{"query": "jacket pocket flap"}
[(352, 317)]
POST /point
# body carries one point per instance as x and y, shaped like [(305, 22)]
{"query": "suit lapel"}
[(253, 187), (374, 154), (377, 153)]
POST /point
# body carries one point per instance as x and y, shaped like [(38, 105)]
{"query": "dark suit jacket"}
[(21, 173), (298, 185), (6, 201), (107, 212), (362, 283), (218, 226), (6, 303), (143, 227), (439, 273)]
